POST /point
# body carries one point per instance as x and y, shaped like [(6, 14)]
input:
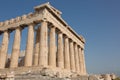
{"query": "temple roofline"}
[(57, 14), (48, 5)]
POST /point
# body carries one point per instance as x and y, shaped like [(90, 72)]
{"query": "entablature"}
[(45, 11)]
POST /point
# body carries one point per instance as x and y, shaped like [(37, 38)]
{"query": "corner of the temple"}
[(82, 38), (42, 5)]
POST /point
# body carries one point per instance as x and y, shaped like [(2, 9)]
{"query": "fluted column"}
[(29, 46), (76, 58), (60, 51), (72, 56), (80, 60), (52, 48), (43, 55), (37, 44), (4, 49), (83, 61), (16, 49), (66, 53)]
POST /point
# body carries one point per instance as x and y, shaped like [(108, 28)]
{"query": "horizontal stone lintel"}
[(36, 19), (27, 21)]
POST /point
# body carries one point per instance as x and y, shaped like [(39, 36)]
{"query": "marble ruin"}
[(106, 76), (56, 44)]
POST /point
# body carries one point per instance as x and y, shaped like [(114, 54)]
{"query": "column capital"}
[(79, 46), (75, 43), (31, 23), (44, 20), (71, 40), (82, 48), (59, 32), (7, 31), (65, 36), (19, 27), (51, 26)]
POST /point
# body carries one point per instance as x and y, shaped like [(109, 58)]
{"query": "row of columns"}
[(69, 54)]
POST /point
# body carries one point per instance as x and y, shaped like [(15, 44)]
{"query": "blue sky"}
[(97, 20)]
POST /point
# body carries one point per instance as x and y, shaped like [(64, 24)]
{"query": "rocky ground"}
[(36, 73)]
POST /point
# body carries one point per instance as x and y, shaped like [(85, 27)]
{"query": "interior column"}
[(37, 44)]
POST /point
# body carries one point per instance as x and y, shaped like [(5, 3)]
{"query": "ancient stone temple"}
[(56, 45)]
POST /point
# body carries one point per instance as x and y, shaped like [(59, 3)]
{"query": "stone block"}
[(12, 21), (80, 78), (6, 22), (30, 15), (24, 17), (91, 77), (17, 19), (1, 23)]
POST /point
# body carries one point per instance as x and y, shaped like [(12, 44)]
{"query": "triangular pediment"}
[(47, 5)]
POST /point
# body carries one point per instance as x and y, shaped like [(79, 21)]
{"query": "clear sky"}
[(97, 20)]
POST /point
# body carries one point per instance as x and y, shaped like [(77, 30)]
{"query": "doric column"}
[(72, 56), (76, 58), (80, 60), (29, 45), (83, 61), (52, 48), (43, 55), (37, 44), (66, 53), (60, 57), (4, 49), (16, 49)]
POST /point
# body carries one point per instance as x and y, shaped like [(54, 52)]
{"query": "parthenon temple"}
[(51, 42)]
